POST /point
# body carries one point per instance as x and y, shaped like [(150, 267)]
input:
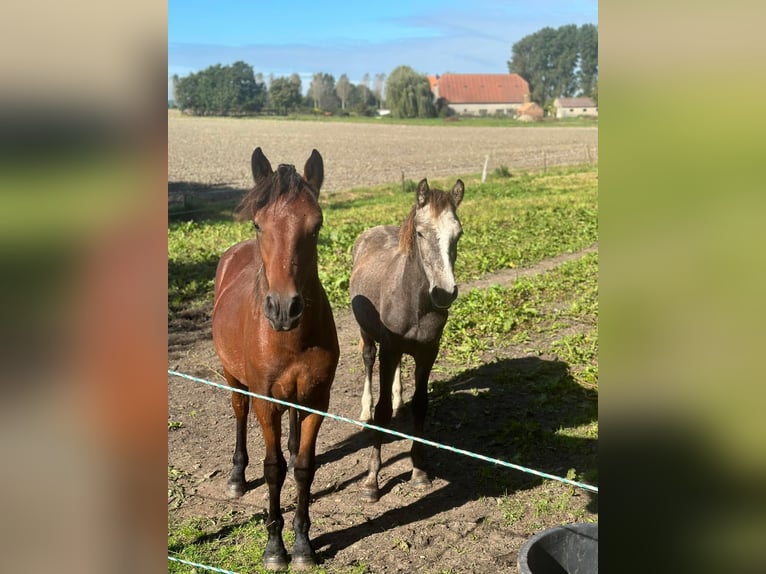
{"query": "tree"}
[(343, 90), (588, 50), (380, 82), (558, 62), (409, 94), (322, 92), (362, 100), (316, 89), (220, 90), (285, 94)]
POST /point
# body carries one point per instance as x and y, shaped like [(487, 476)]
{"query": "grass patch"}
[(508, 223), (230, 543), (550, 503), (498, 317)]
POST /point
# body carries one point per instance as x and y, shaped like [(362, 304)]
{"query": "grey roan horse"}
[(402, 285)]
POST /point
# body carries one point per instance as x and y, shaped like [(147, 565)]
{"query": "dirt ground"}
[(459, 525), (216, 151), (455, 526)]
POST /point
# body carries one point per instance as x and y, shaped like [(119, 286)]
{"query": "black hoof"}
[(303, 562), (275, 562), (235, 489)]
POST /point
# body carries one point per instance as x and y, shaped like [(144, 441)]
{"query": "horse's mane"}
[(438, 200), (283, 181)]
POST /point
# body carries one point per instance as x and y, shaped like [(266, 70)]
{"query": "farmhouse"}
[(575, 107), (481, 94)]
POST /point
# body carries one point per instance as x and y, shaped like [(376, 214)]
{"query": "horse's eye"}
[(256, 226), (420, 234)]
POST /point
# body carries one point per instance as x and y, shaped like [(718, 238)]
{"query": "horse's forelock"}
[(438, 201), (441, 200), (284, 180)]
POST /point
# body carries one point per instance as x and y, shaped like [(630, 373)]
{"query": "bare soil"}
[(456, 526), (460, 524), (216, 151)]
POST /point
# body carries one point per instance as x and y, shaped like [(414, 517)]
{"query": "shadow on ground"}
[(509, 409)]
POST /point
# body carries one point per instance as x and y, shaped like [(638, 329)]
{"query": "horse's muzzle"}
[(283, 314), (441, 298)]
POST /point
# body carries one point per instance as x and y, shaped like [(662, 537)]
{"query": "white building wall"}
[(576, 112), (484, 109)]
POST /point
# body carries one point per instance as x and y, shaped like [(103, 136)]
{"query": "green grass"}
[(508, 223), (548, 303), (231, 543)]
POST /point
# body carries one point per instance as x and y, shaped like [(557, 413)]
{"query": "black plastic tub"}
[(568, 549)]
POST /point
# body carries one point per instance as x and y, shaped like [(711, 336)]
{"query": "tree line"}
[(237, 90), (561, 62)]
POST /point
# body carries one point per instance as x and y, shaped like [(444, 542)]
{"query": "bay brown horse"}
[(402, 285), (274, 333)]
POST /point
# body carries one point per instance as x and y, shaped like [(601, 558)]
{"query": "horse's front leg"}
[(293, 441), (389, 361), (274, 470), (305, 466), (237, 486), (423, 365)]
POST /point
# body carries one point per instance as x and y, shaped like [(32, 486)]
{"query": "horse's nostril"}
[(442, 298), (270, 306), (296, 307)]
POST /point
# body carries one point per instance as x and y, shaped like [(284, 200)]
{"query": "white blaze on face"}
[(439, 235)]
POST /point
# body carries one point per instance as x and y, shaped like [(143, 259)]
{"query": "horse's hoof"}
[(370, 494), (275, 562), (303, 562), (420, 480), (235, 489)]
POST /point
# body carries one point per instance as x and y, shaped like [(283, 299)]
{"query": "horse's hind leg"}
[(396, 389), (305, 465), (369, 350), (236, 486), (423, 365)]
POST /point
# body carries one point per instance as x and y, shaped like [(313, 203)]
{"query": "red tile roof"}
[(483, 88)]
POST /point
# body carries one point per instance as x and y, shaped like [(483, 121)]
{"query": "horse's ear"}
[(423, 192), (260, 165), (313, 171), (457, 192)]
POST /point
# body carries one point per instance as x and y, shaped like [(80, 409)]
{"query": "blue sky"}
[(282, 37)]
